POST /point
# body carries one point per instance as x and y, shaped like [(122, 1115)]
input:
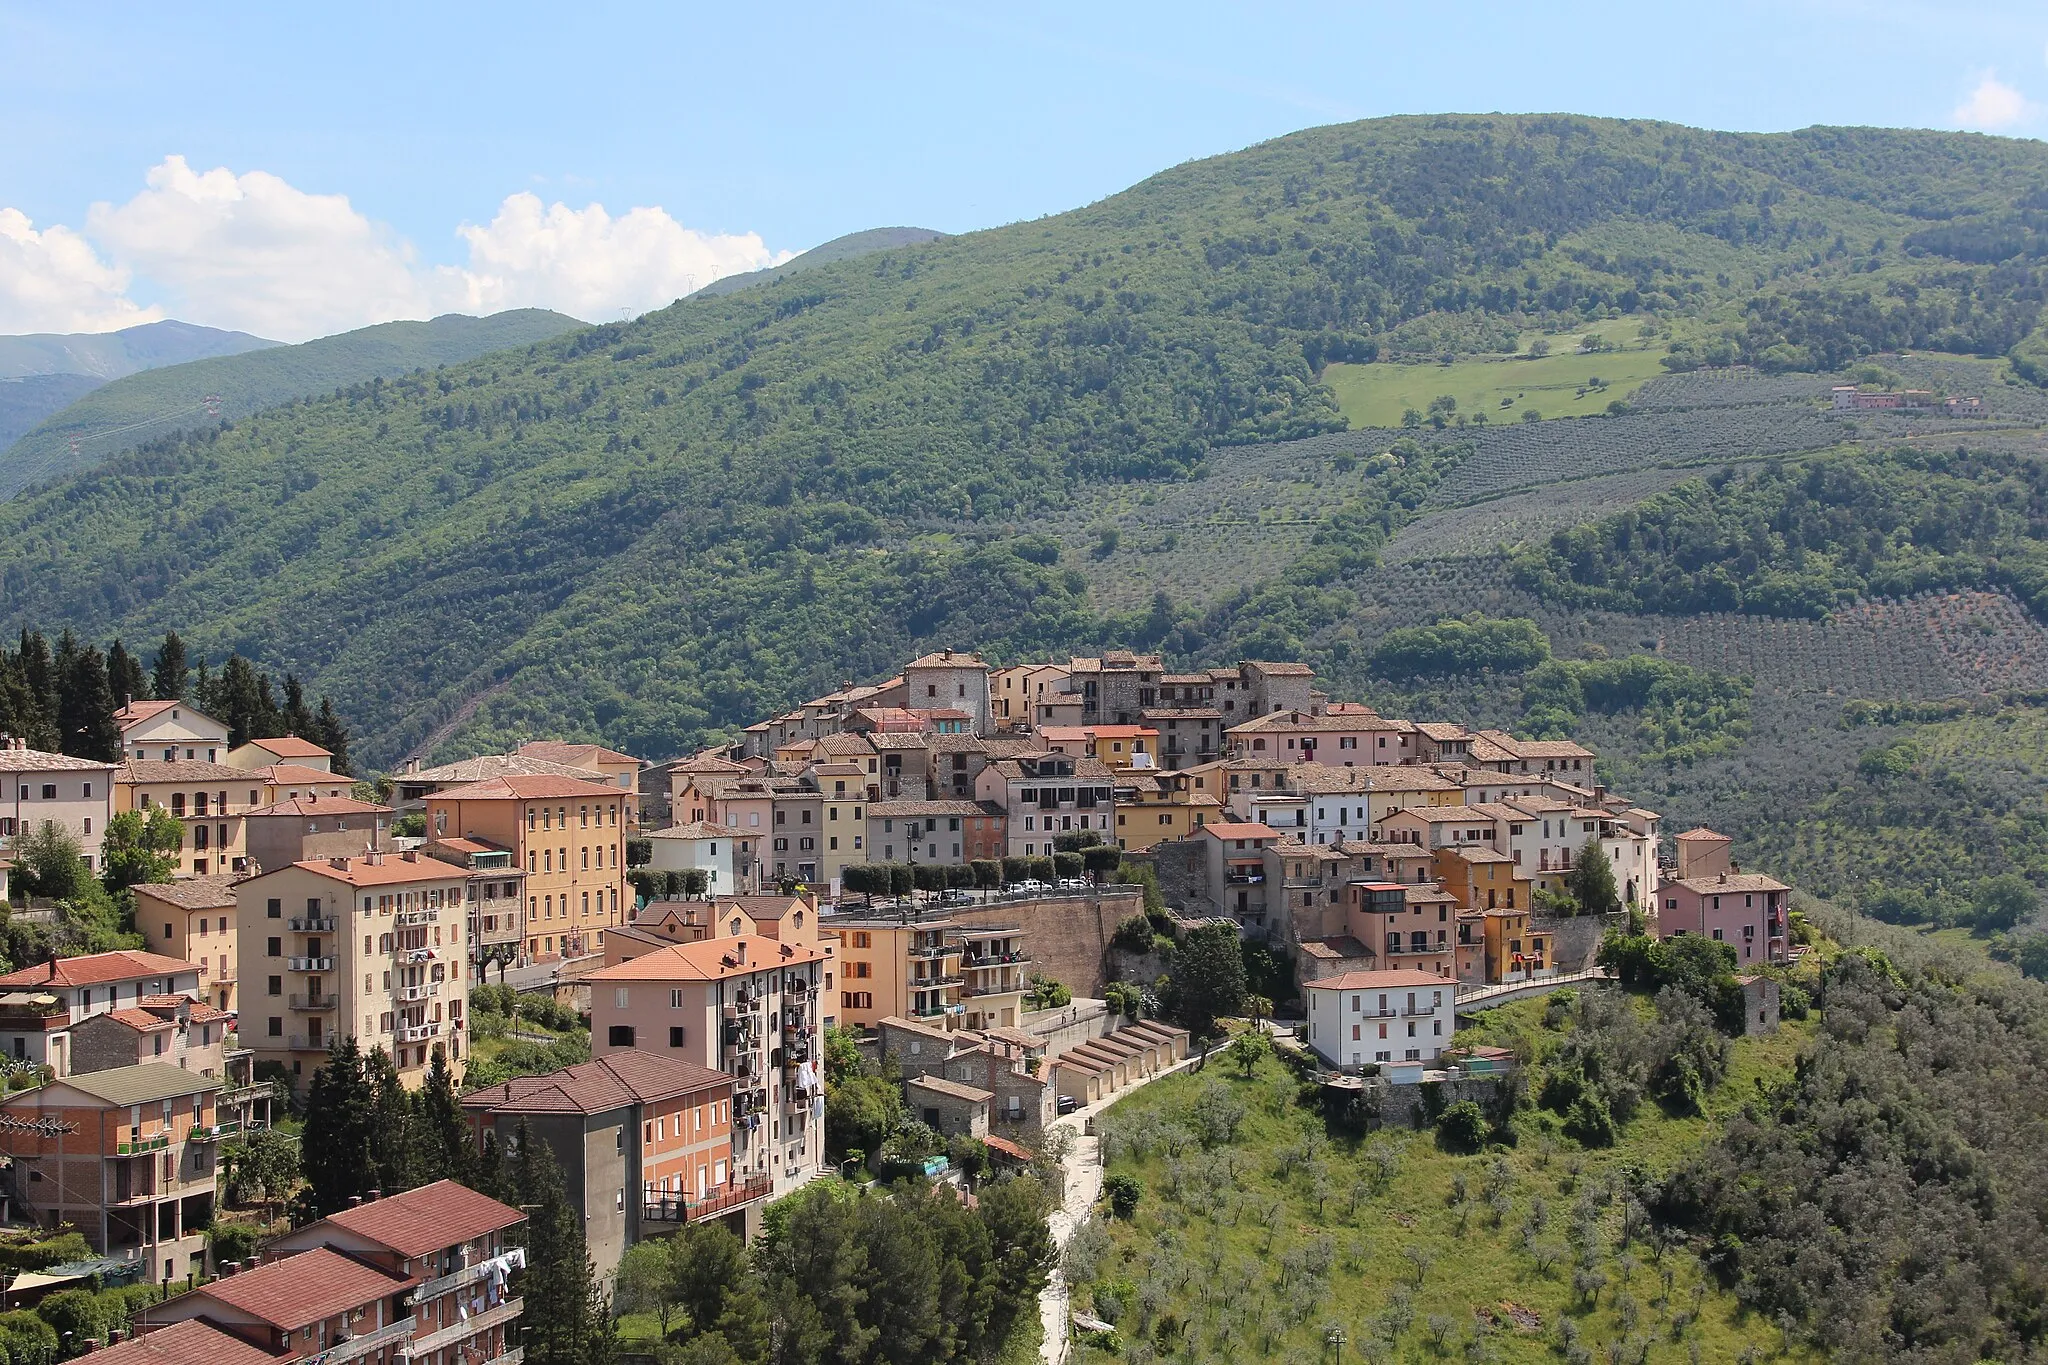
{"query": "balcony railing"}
[(306, 1042), (363, 1343), (309, 964), (411, 917), (475, 1326), (445, 1284), (515, 1356), (426, 991), (991, 962), (135, 1143), (685, 1210), (418, 1033), (312, 924), (313, 1002)]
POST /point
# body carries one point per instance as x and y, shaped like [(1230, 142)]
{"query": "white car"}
[(1073, 884), (1029, 885)]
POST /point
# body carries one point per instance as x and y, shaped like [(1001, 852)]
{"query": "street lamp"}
[(1334, 1337)]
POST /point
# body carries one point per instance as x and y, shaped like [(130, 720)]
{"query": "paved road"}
[(533, 977), (1083, 1188)]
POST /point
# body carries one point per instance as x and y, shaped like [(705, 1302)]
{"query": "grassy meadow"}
[(1254, 1249), (1557, 385)]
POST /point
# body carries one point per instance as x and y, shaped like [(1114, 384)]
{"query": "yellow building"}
[(1165, 806), (209, 798), (569, 836), (1481, 878), (194, 918), (949, 974)]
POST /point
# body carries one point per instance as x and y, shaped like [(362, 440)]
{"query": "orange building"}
[(568, 835)]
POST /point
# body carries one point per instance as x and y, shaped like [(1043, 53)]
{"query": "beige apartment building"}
[(566, 834), (195, 918), (170, 731), (370, 946), (947, 974), (76, 793), (210, 798)]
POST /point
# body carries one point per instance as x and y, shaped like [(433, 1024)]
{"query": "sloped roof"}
[(428, 1218), (191, 1342), (573, 754), (696, 829), (1734, 882), (486, 767), (192, 893), (306, 1288), (711, 960), (291, 746), (388, 870), (580, 785), (598, 1086), (41, 761), (179, 770), (1397, 978), (316, 805), (96, 970), (939, 1085), (144, 1083)]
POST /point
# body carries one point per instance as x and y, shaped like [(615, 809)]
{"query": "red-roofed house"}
[(263, 753), (1235, 853), (319, 1304), (292, 829), (617, 769), (1389, 1016), (369, 946), (644, 1141), (82, 987), (191, 1342), (168, 731), (567, 834), (746, 1005)]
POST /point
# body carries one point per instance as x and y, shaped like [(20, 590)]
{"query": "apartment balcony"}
[(312, 924), (994, 961), (449, 1283), (418, 1033), (425, 991), (515, 1356), (309, 964), (364, 1343), (306, 1042), (460, 1332), (133, 1143), (936, 950), (313, 1002), (408, 918), (663, 1209), (1244, 878)]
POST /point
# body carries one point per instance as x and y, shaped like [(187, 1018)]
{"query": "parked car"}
[(953, 895), (1030, 885), (1073, 884), (1068, 1104)]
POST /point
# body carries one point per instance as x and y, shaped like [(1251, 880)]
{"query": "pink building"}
[(1715, 899)]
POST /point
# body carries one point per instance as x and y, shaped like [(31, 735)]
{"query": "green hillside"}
[(838, 249), (654, 532), (109, 355), (26, 401), (155, 402)]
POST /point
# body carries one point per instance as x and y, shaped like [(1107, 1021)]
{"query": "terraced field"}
[(1524, 518)]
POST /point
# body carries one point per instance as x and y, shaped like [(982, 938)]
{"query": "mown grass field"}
[(1554, 385), (1415, 1271)]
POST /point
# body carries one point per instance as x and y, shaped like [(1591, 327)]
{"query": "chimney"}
[(116, 1337), (230, 1268), (1724, 876), (740, 949), (411, 855), (338, 864)]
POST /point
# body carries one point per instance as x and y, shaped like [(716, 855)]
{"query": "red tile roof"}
[(595, 1087), (528, 789), (389, 870), (96, 970), (190, 1342), (429, 1218), (307, 1288), (575, 755), (291, 746), (142, 710), (1231, 830), (708, 960), (1379, 981), (289, 774), (318, 805)]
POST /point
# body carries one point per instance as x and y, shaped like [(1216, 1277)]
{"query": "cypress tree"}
[(330, 734), (395, 1148), (124, 675), (87, 715), (559, 1286), (336, 1147), (297, 719), (168, 681), (447, 1152)]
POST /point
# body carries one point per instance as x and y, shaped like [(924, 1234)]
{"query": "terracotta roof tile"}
[(528, 788), (428, 1218), (594, 1087), (192, 893), (573, 754), (96, 970), (711, 960), (39, 761), (307, 1288), (179, 770), (291, 746), (1381, 981), (190, 1342), (391, 869)]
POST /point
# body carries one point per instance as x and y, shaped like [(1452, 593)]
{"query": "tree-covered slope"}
[(650, 531), (26, 401), (844, 248), (109, 355), (154, 402)]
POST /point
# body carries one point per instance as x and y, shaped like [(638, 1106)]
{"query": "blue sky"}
[(329, 159)]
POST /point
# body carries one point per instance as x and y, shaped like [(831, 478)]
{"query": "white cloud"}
[(254, 253), (53, 281), (1992, 105), (251, 251), (587, 263)]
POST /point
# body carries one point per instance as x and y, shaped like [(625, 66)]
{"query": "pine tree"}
[(446, 1150), (336, 1146), (42, 683), (124, 675), (560, 1283), (86, 714), (395, 1155), (243, 702), (168, 681), (330, 734), (297, 718)]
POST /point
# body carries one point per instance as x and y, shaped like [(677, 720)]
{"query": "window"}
[(49, 791), (275, 947), (276, 1026), (621, 1035), (277, 985)]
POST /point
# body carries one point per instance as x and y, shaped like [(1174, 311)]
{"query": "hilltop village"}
[(963, 868)]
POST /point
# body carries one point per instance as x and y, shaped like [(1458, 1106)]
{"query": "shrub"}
[(1123, 1192), (1067, 865), (1462, 1127), (1133, 935), (1589, 1122), (231, 1242), (988, 873)]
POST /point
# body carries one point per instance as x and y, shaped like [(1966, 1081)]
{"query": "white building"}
[(702, 846), (1395, 1016), (1043, 796), (76, 793), (170, 731)]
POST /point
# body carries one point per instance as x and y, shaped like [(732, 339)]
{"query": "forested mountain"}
[(155, 402), (109, 355), (838, 249), (651, 532)]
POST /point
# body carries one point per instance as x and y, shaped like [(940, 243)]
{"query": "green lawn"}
[(1221, 1239), (1556, 385)]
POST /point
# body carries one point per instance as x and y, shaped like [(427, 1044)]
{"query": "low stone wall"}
[(1083, 1021), (1574, 939), (1416, 1106)]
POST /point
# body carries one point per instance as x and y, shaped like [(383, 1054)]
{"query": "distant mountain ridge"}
[(111, 355), (838, 249), (153, 403)]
